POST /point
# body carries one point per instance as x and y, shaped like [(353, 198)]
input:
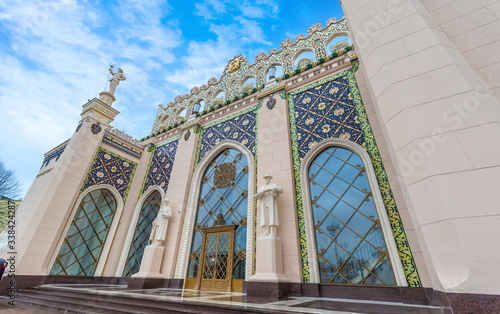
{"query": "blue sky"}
[(55, 55)]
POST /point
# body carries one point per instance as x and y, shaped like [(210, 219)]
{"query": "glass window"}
[(349, 240), (149, 210), (224, 189), (86, 236)]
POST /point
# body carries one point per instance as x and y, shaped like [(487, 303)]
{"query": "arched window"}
[(199, 106), (338, 43), (140, 240), (303, 58), (224, 190), (182, 114), (274, 71), (350, 244), (82, 247), (248, 84), (219, 98)]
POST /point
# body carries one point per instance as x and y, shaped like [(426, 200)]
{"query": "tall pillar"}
[(178, 194), (274, 151), (441, 124), (45, 210)]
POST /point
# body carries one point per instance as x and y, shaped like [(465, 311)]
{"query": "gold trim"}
[(218, 285)]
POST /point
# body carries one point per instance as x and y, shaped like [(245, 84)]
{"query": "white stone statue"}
[(160, 225), (115, 80), (268, 194)]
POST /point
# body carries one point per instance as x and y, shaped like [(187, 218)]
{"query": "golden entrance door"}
[(216, 264)]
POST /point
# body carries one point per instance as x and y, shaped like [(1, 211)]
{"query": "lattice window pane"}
[(140, 240), (223, 194), (349, 242), (87, 234)]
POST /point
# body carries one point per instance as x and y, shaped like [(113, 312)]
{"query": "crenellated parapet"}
[(239, 70)]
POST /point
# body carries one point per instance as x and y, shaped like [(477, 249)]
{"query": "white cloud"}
[(54, 57), (236, 34)]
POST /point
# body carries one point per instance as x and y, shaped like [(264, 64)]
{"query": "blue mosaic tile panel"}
[(112, 169), (240, 128), (121, 146), (326, 111), (161, 164), (306, 104), (56, 154)]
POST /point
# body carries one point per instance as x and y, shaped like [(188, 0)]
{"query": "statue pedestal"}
[(269, 262), (107, 98), (151, 262)]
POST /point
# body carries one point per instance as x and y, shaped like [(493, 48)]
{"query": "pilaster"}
[(46, 208), (274, 151), (177, 194), (440, 122)]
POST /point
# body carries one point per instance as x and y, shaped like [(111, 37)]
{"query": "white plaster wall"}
[(44, 212), (441, 125), (473, 26)]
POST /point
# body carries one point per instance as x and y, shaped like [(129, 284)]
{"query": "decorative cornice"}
[(271, 89), (100, 111), (316, 40)]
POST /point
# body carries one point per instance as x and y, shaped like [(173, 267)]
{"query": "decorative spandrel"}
[(161, 165), (112, 169), (350, 244), (223, 200)]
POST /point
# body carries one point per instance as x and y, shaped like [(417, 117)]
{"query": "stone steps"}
[(86, 302)]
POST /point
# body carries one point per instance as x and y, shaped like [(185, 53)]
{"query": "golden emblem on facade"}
[(234, 65), (224, 174)]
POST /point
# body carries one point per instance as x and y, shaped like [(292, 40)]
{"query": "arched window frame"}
[(377, 199), (112, 230), (332, 38), (300, 52), (194, 194), (133, 224)]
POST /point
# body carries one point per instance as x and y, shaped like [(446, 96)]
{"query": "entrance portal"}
[(216, 262)]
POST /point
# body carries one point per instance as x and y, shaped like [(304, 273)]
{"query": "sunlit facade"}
[(355, 132)]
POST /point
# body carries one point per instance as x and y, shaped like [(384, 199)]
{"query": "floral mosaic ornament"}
[(160, 167), (325, 112), (112, 169), (240, 127), (338, 92)]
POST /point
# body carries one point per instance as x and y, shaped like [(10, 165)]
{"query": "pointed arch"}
[(191, 210), (133, 225), (111, 230), (377, 198)]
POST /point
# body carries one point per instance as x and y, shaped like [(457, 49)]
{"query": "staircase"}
[(57, 299)]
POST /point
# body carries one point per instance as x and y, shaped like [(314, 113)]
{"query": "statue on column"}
[(115, 80), (160, 224), (268, 194)]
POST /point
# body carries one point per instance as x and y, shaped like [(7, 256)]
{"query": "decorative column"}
[(269, 264)]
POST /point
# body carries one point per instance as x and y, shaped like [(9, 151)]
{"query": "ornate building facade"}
[(376, 129)]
